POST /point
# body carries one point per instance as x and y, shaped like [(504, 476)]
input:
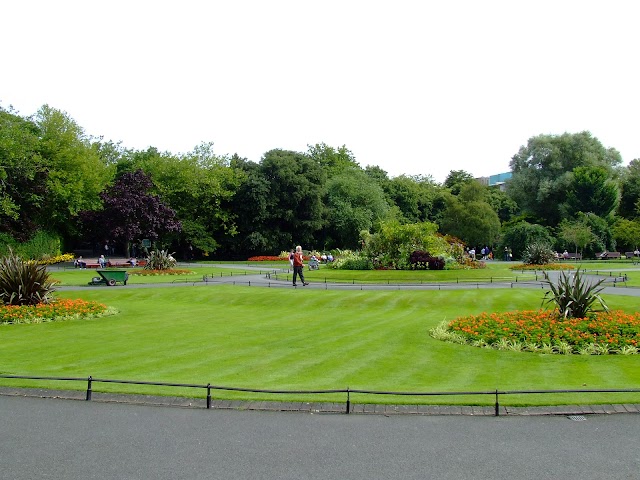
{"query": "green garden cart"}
[(109, 276)]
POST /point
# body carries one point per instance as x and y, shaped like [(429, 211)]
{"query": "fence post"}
[(497, 404), (208, 395), (89, 380), (348, 402)]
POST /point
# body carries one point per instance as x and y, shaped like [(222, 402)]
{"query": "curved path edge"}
[(325, 408)]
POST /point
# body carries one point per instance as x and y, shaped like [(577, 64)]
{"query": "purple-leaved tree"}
[(131, 213)]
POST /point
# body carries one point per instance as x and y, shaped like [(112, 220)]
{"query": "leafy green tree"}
[(295, 207), (542, 171), (283, 202), (576, 233), (470, 218), (378, 174), (626, 234), (250, 205), (197, 186), (518, 235), (456, 180), (75, 172), (333, 161), (502, 204), (23, 176), (591, 190), (630, 191), (413, 196), (603, 235), (354, 202), (130, 212)]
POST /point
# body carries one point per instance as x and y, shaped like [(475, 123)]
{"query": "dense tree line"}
[(567, 190)]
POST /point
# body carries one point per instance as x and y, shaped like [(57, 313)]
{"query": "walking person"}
[(298, 266)]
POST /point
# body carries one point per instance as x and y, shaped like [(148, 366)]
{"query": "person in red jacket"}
[(298, 265)]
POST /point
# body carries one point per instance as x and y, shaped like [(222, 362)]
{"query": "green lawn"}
[(304, 339), (83, 277)]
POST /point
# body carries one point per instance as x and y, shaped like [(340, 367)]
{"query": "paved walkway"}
[(43, 438), (326, 408)]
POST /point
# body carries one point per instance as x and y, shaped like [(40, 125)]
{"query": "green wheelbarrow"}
[(110, 277)]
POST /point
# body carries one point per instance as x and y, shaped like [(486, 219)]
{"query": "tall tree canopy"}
[(290, 187), (333, 161), (456, 180), (630, 191), (542, 171), (197, 185), (591, 189), (414, 197), (75, 172), (469, 217), (354, 202), (23, 176), (130, 213)]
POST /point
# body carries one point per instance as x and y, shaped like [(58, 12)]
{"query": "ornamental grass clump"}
[(573, 295), (160, 260), (24, 282), (538, 253)]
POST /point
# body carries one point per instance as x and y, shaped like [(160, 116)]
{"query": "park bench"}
[(125, 264), (571, 256), (633, 257), (608, 255)]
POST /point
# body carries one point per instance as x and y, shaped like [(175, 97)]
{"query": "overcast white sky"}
[(415, 87)]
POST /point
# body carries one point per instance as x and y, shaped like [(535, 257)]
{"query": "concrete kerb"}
[(325, 408)]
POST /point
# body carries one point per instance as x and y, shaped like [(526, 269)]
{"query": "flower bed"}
[(545, 331), (66, 257), (171, 271), (273, 258), (548, 266), (57, 310), (267, 258)]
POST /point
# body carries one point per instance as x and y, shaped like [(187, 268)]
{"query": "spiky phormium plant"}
[(160, 260), (538, 254), (24, 282), (573, 295)]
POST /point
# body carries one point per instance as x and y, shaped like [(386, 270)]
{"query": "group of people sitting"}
[(102, 262), (325, 258)]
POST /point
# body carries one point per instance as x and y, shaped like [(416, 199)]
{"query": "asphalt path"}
[(66, 439), (264, 277)]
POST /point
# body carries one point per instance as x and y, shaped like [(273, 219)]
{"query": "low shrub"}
[(421, 260), (466, 263), (349, 260)]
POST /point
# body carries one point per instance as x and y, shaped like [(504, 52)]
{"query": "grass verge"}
[(279, 339)]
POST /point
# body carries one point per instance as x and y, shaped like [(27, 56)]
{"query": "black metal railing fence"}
[(496, 394)]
